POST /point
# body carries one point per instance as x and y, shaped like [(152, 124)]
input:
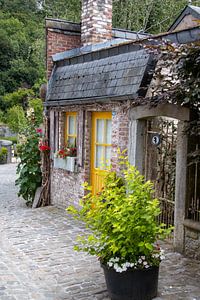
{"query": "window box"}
[(68, 163)]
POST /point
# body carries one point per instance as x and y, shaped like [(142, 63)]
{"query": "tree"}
[(151, 16), (20, 97), (21, 54), (69, 10), (16, 105)]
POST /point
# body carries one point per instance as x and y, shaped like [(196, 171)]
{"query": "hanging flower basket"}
[(68, 163)]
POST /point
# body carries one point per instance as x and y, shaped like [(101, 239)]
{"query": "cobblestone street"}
[(37, 260)]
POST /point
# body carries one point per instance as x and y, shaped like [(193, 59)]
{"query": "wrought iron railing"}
[(167, 212), (193, 210)]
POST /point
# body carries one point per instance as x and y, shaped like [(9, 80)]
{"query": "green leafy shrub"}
[(16, 119), (122, 221), (1, 117), (3, 155), (19, 97), (37, 105), (29, 168)]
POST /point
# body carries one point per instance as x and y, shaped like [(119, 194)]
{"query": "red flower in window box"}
[(67, 152)]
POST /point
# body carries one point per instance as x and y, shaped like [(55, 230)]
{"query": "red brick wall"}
[(59, 42)]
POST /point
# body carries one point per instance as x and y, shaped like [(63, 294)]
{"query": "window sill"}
[(68, 163)]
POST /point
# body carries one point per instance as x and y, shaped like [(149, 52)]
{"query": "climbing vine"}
[(178, 79)]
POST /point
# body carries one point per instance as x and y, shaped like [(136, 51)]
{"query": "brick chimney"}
[(96, 24)]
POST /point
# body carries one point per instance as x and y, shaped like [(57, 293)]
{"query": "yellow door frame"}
[(97, 174)]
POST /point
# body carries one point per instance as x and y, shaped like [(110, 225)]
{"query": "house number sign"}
[(156, 139)]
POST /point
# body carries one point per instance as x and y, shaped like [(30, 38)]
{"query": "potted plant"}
[(65, 158), (123, 233), (3, 155)]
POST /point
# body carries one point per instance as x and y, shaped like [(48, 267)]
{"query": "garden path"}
[(37, 261)]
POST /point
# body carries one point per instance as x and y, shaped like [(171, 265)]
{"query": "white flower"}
[(162, 257), (114, 259), (119, 270), (127, 264), (139, 260), (110, 264), (144, 263), (143, 257), (116, 266), (30, 111), (146, 266)]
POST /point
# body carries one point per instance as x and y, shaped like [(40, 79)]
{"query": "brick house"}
[(95, 74)]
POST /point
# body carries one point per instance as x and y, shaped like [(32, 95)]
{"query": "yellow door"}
[(100, 148)]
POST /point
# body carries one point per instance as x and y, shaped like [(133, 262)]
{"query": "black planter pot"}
[(132, 284)]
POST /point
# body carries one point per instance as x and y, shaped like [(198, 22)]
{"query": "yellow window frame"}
[(67, 134)]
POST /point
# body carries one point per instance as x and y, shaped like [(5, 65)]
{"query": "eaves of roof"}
[(185, 36)]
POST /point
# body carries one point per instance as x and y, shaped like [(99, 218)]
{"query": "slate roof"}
[(113, 76), (189, 9), (116, 69)]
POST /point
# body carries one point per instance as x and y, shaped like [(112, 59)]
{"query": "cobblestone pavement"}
[(37, 260)]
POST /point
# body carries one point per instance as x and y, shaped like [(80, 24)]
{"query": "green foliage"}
[(16, 119), (3, 155), (68, 10), (17, 103), (37, 105), (29, 170), (20, 97), (149, 16), (122, 218), (189, 74), (188, 88), (21, 51), (2, 120), (18, 7)]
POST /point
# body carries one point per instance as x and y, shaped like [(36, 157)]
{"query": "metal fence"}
[(193, 195)]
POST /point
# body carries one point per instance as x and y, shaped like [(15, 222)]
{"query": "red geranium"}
[(67, 151), (38, 130), (44, 147)]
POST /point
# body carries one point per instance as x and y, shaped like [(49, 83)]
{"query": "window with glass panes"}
[(103, 143), (71, 129)]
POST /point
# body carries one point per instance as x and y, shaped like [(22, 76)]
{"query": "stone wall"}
[(66, 186), (192, 239)]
